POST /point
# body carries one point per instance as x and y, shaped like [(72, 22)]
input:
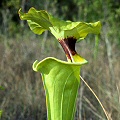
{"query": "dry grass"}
[(23, 97)]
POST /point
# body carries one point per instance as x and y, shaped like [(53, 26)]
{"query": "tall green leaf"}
[(61, 81)]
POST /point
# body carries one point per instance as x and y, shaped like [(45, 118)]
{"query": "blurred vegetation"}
[(23, 95)]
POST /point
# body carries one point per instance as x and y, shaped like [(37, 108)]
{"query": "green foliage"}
[(61, 81), (40, 21), (90, 10), (10, 3), (1, 88), (1, 113)]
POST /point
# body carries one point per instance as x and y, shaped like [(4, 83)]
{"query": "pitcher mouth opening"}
[(68, 44)]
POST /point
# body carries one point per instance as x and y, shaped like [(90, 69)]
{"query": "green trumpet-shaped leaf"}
[(40, 21), (61, 81)]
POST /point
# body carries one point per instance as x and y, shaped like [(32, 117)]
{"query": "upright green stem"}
[(96, 46)]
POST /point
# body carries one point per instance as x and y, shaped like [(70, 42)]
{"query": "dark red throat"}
[(68, 44)]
